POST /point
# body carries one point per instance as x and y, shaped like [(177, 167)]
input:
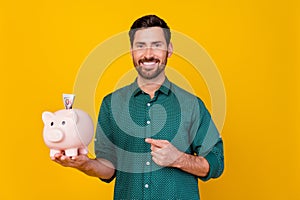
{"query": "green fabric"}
[(128, 116)]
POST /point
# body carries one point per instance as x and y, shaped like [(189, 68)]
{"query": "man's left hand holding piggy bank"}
[(67, 133)]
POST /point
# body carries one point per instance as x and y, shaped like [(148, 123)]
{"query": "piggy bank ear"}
[(46, 116)]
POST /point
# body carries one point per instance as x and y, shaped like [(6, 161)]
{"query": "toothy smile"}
[(149, 63)]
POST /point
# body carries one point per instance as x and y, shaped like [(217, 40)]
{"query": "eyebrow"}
[(136, 43), (155, 42)]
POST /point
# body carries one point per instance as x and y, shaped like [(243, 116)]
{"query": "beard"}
[(151, 73)]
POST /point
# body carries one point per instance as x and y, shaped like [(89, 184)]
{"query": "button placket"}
[(147, 163), (148, 104)]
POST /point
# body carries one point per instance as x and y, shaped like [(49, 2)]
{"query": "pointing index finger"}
[(158, 143)]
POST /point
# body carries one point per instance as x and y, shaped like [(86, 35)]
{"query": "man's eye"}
[(158, 46)]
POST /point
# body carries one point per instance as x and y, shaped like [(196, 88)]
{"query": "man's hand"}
[(75, 161), (98, 167), (164, 153)]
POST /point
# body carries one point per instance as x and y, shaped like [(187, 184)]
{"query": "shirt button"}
[(148, 104), (148, 122), (146, 185), (148, 163)]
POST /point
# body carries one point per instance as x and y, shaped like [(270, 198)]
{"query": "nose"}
[(54, 135), (148, 52)]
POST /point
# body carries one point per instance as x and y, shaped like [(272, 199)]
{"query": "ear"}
[(131, 51), (170, 49), (46, 116)]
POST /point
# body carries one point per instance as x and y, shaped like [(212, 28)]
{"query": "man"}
[(156, 139)]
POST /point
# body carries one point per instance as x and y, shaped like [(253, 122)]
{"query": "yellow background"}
[(254, 43)]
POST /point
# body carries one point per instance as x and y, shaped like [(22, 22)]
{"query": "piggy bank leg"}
[(83, 151), (53, 152), (71, 152)]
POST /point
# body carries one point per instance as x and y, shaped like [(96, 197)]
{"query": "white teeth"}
[(149, 63)]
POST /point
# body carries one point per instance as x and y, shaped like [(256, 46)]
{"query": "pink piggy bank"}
[(68, 130)]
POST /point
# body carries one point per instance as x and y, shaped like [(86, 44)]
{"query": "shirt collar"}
[(164, 88)]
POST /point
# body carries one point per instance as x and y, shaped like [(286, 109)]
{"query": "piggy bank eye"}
[(52, 123), (63, 122)]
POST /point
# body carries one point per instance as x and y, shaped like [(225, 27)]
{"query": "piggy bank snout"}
[(54, 135)]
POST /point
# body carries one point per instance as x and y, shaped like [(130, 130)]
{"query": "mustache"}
[(151, 59)]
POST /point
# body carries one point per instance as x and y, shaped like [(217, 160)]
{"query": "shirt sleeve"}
[(215, 159), (104, 148), (208, 143)]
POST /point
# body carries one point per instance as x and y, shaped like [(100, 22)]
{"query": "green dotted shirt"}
[(128, 116)]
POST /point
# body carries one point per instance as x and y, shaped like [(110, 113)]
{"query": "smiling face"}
[(150, 52)]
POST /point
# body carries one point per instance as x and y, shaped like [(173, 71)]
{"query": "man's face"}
[(150, 52)]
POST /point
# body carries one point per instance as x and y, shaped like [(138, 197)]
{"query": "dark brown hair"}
[(147, 22)]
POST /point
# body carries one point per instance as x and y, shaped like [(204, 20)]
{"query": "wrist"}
[(181, 159), (84, 164)]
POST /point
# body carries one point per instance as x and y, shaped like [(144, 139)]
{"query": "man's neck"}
[(151, 86)]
